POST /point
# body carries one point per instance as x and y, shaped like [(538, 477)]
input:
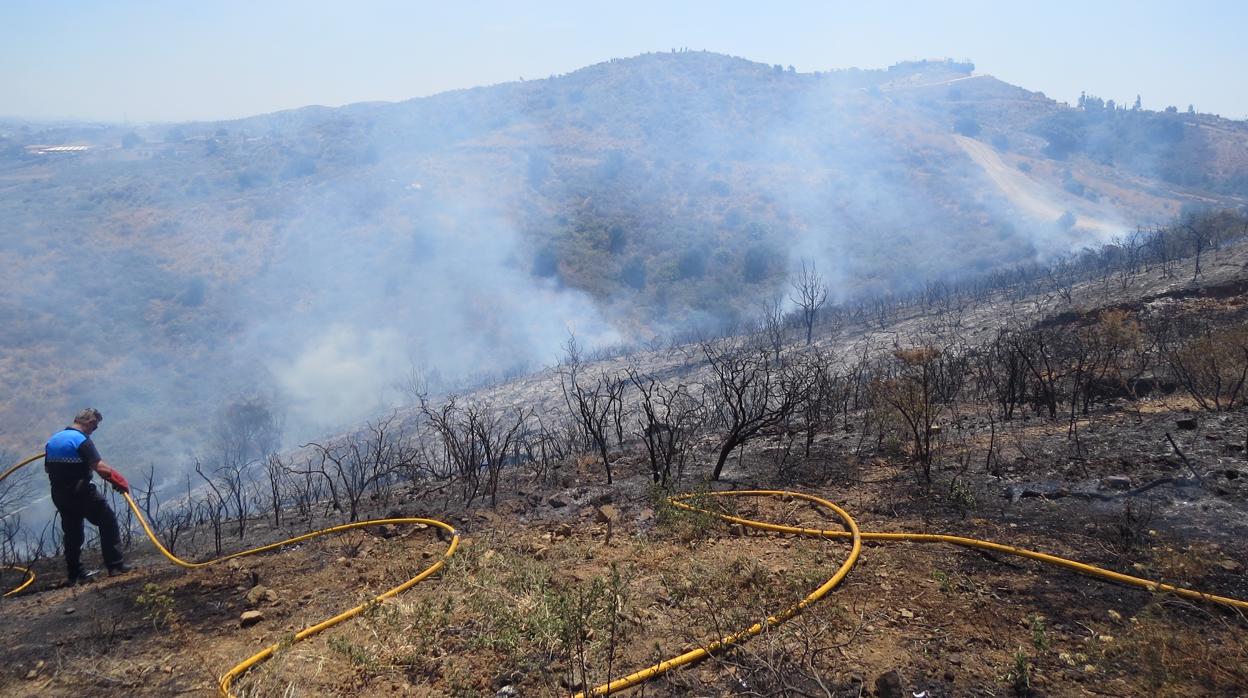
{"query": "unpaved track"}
[(1031, 197)]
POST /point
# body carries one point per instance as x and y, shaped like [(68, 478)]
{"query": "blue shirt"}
[(69, 455)]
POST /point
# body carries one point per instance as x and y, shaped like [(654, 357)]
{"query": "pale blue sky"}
[(178, 60)]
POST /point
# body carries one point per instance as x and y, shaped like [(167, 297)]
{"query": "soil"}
[(568, 582)]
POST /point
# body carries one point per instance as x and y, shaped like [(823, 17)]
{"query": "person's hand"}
[(114, 478)]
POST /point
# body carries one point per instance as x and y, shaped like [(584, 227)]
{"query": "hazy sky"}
[(121, 60)]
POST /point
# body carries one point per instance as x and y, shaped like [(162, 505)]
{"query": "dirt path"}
[(1033, 198)]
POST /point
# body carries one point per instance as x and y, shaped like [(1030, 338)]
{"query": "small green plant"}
[(157, 605), (356, 654), (962, 496), (579, 611), (683, 524), (1019, 675), (1039, 637), (946, 586)]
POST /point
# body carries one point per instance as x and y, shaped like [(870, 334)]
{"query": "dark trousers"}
[(83, 501)]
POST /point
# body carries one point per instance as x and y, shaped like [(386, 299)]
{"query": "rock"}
[(250, 618), (261, 594), (906, 613), (955, 659), (31, 674), (507, 692), (1186, 424), (556, 502), (388, 530), (737, 530), (564, 531), (256, 595), (607, 513), (1116, 482), (1230, 565), (70, 610), (888, 685)]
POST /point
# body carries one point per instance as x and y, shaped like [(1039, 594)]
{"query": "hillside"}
[(1127, 451), (312, 257)]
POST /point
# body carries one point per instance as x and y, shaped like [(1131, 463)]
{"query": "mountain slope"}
[(314, 255)]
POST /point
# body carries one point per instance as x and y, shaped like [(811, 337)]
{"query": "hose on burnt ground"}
[(855, 536), (850, 531), (229, 677)]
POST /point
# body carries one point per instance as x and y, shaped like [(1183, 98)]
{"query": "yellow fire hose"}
[(856, 537), (30, 574), (853, 533), (230, 676)]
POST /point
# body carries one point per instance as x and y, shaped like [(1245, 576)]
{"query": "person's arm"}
[(111, 476), (102, 469), (92, 458)]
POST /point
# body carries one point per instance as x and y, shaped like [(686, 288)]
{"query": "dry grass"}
[(1182, 650)]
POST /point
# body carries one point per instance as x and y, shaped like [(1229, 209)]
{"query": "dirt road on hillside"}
[(1032, 197)]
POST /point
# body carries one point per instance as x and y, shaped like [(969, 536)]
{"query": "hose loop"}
[(848, 531), (229, 677), (856, 537)]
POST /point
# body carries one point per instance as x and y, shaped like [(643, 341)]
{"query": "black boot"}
[(119, 568), (81, 577)]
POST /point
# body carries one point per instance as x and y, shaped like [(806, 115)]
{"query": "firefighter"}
[(69, 458)]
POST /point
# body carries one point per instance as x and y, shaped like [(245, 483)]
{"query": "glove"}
[(114, 478)]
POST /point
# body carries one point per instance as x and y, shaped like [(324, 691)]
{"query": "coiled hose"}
[(29, 574), (856, 537), (232, 675)]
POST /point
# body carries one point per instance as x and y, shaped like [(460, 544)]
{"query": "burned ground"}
[(566, 582)]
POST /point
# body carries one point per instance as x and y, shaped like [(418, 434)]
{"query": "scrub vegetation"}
[(309, 257), (1088, 408)]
